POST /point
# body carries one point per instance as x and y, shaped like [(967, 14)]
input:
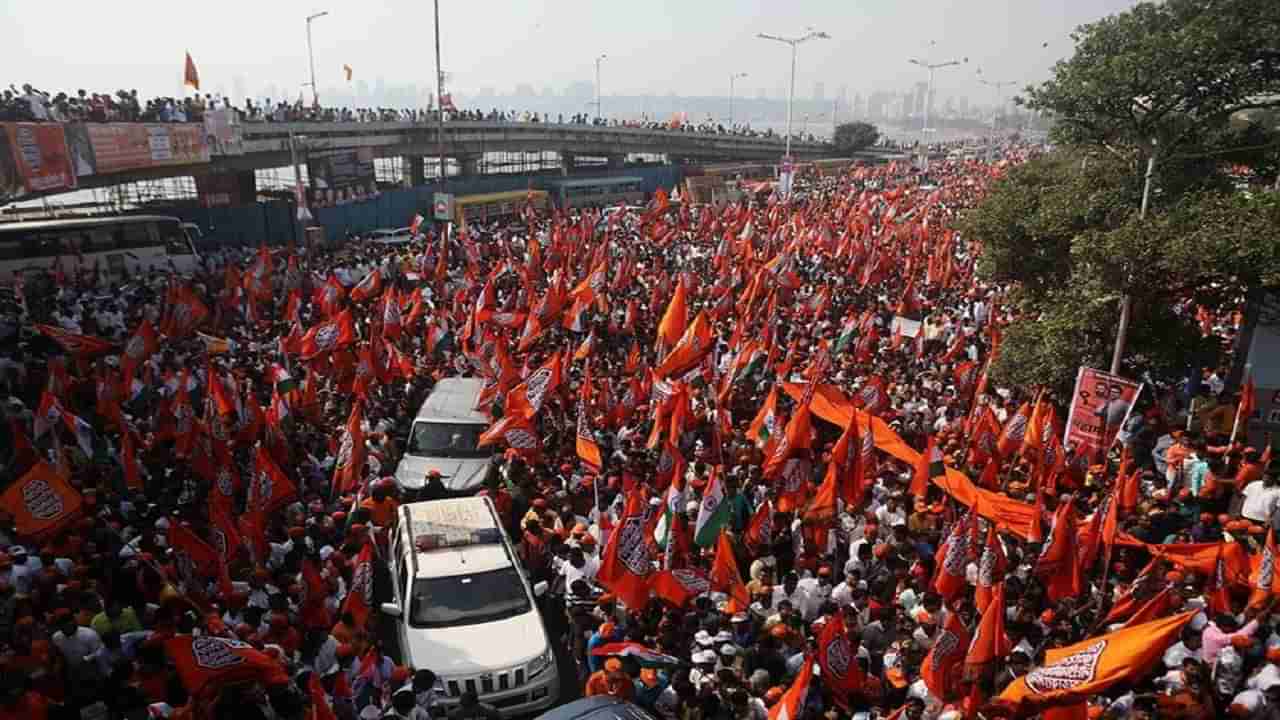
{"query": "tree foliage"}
[(1070, 240), (851, 137), (1185, 87)]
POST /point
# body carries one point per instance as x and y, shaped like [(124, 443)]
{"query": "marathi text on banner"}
[(223, 133), (37, 161), (1099, 406), (132, 146)]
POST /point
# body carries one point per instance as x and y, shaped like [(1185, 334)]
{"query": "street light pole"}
[(311, 57), (598, 59), (440, 103), (791, 94), (732, 77), (999, 85), (928, 97)]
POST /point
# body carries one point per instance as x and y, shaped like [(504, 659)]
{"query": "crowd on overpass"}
[(32, 104)]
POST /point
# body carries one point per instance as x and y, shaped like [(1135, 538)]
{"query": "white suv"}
[(465, 609)]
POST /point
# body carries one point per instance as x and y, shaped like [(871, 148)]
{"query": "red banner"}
[(1099, 406), (38, 157), (132, 146)]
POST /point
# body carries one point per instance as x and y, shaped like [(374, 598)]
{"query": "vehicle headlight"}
[(539, 664)]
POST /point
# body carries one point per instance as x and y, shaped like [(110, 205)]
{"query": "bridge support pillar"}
[(567, 161), (414, 170), (617, 161), (469, 164)]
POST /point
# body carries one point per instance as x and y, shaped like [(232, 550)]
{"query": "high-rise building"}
[(844, 95), (963, 105), (819, 91)]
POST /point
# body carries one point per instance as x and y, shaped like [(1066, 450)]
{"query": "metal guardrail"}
[(274, 137)]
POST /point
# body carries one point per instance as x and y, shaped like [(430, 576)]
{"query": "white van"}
[(443, 437), (465, 610)]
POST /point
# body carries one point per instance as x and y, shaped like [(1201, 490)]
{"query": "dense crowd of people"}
[(754, 494), (31, 104)]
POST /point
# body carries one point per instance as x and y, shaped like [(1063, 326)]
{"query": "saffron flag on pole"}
[(359, 600), (724, 575), (791, 705), (1073, 674), (207, 662), (190, 77), (840, 669), (626, 566), (41, 502), (943, 666)]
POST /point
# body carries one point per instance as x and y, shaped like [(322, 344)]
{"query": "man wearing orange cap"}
[(610, 680)]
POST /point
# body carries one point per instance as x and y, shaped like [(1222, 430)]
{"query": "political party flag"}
[(840, 669), (694, 345), (370, 286), (626, 566), (990, 643), (1058, 566), (791, 705), (193, 557), (184, 313), (585, 443), (992, 565), (348, 469), (713, 513), (943, 666), (760, 530), (527, 398), (680, 587), (190, 78), (674, 320), (359, 600), (207, 662), (953, 557), (517, 431), (269, 489), (724, 575), (644, 656), (329, 336), (80, 345), (41, 502), (1015, 429), (1075, 673), (141, 345)]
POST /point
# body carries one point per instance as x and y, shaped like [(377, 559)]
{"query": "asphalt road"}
[(553, 621)]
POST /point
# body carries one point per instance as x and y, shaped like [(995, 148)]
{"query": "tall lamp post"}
[(791, 94), (311, 57), (928, 98), (444, 174), (999, 85), (602, 56), (732, 77)]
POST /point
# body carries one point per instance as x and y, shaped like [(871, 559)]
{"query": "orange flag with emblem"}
[(41, 502), (674, 320), (942, 667), (1073, 674), (791, 705), (724, 575), (693, 346)]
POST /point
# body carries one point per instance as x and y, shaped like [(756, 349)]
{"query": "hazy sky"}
[(688, 47)]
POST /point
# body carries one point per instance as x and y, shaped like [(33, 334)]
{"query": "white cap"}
[(704, 657), (728, 649), (702, 637)]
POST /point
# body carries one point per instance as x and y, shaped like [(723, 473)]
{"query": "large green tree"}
[(851, 137), (1152, 104)]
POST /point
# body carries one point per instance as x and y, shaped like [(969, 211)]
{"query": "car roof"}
[(455, 517), (454, 400), (598, 707)]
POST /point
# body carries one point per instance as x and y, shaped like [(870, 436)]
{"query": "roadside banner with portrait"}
[(338, 177), (81, 149), (37, 160), (133, 146), (1099, 407), (223, 133)]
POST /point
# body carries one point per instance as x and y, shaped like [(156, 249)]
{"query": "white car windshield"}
[(467, 599), (446, 440)]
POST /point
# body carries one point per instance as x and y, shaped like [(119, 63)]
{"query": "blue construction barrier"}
[(273, 222)]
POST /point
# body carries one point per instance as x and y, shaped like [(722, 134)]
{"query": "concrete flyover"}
[(266, 145)]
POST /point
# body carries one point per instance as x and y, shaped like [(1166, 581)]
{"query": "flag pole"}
[(1235, 425)]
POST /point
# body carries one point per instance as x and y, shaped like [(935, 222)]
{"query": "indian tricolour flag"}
[(713, 513), (284, 382), (847, 333), (672, 503)]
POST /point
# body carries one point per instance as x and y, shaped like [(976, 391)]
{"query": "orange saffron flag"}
[(725, 577), (190, 77), (791, 705), (41, 502), (693, 346), (942, 667), (674, 320), (1057, 565), (990, 644), (626, 566), (1077, 672)]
